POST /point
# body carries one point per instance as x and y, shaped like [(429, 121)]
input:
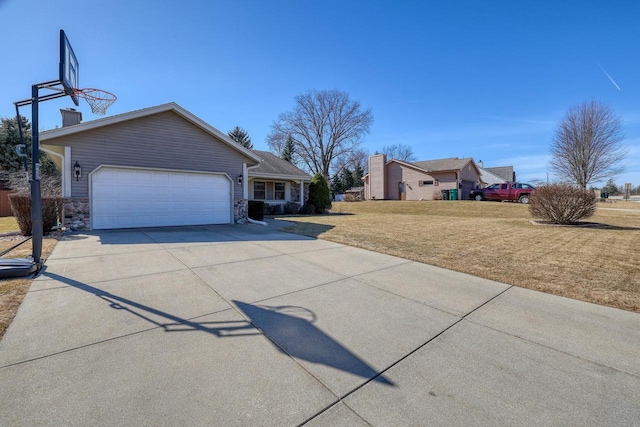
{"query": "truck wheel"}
[(524, 199), (478, 197)]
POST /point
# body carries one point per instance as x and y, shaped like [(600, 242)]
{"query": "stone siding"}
[(77, 214), (295, 192), (240, 211)]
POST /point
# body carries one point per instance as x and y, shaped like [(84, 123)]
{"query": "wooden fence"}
[(5, 207)]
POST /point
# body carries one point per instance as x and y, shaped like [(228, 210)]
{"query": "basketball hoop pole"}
[(36, 194)]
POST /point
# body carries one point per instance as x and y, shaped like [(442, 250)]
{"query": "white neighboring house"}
[(496, 175)]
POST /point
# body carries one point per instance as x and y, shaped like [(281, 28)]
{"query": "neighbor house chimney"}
[(377, 176), (70, 117), (480, 164)]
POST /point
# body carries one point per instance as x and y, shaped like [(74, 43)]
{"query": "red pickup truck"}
[(509, 191)]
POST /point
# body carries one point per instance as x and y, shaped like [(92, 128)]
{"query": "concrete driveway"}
[(246, 325)]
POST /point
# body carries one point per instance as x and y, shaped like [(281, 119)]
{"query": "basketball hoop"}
[(99, 100)]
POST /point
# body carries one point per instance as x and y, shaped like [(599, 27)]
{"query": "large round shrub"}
[(562, 203), (319, 194)]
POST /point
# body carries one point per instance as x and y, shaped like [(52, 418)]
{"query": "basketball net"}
[(99, 100)]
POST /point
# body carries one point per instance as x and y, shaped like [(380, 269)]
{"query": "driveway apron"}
[(238, 325)]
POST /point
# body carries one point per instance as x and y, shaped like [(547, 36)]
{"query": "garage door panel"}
[(123, 198)]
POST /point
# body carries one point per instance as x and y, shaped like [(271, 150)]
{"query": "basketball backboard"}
[(69, 68)]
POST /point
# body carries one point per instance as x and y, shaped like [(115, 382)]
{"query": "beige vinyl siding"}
[(447, 180), (469, 179), (468, 173), (397, 172), (164, 140)]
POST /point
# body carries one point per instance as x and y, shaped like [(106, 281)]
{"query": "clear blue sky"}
[(481, 79)]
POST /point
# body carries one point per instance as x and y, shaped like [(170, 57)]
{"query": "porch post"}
[(301, 193), (66, 172)]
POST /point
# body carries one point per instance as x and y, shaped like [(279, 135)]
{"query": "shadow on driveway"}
[(291, 329), (297, 336)]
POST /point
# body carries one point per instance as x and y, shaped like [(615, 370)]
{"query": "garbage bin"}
[(445, 194), (453, 194)]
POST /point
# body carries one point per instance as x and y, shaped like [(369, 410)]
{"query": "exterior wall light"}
[(240, 179), (77, 170)]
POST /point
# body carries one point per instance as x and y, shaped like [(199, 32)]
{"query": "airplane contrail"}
[(610, 78)]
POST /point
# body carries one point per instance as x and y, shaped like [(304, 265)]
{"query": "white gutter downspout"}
[(245, 181)]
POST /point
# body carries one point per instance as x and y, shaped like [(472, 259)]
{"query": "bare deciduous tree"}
[(399, 152), (356, 159), (324, 125), (587, 144)]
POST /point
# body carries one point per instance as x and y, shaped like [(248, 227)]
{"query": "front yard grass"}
[(497, 241), (8, 224)]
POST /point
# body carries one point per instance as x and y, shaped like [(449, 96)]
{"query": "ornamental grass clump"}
[(562, 203)]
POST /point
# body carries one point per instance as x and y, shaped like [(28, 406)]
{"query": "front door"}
[(401, 192)]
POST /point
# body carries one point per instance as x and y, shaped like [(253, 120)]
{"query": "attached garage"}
[(155, 167), (130, 198)]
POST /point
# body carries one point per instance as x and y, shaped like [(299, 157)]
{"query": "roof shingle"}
[(274, 165)]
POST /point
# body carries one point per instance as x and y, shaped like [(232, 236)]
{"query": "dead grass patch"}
[(13, 291), (497, 241)]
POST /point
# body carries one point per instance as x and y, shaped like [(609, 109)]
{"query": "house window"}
[(278, 191), (259, 190), (429, 182)]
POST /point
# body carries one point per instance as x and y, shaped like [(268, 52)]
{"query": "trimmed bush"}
[(291, 208), (319, 194), (272, 209), (256, 210), (350, 198), (21, 208), (307, 209), (562, 203)]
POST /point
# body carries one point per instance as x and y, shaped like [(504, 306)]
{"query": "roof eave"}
[(253, 174)]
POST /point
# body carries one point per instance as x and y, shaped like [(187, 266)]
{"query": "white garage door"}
[(130, 198)]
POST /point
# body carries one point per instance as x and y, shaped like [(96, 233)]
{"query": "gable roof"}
[(436, 166), (273, 166), (442, 165), (490, 178), (505, 172), (136, 114)]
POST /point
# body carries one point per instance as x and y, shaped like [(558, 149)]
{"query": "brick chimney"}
[(70, 117), (377, 176)]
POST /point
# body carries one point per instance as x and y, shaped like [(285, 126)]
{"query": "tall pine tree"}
[(241, 136), (288, 150)]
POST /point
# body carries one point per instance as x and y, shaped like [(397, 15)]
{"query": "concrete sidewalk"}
[(246, 325)]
